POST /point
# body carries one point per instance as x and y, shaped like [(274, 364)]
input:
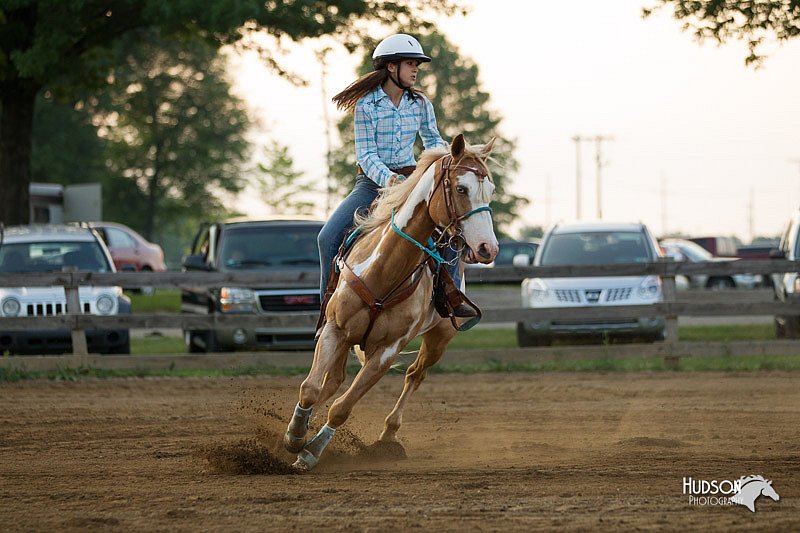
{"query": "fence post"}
[(79, 346), (671, 327)]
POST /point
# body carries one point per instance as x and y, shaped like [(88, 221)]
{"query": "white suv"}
[(787, 285), (55, 248), (593, 243)]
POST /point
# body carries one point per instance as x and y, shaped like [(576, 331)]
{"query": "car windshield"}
[(53, 257), (269, 246), (596, 248), (694, 251)]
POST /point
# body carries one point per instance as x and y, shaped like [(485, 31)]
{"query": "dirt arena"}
[(504, 452)]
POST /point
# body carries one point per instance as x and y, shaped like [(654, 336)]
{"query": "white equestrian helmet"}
[(396, 48)]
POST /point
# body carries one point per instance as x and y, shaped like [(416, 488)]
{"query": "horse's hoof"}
[(293, 444), (305, 461), (301, 466)]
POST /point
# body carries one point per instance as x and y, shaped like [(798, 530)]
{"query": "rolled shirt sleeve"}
[(429, 131)]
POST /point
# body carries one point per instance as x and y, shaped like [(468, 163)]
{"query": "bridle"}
[(453, 226)]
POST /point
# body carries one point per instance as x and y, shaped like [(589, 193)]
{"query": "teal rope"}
[(476, 210), (430, 251)]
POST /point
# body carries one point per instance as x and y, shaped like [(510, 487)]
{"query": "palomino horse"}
[(450, 190)]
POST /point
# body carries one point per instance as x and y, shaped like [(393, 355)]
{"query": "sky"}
[(700, 143)]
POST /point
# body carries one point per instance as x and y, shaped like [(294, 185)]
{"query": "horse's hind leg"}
[(434, 343), (323, 380), (375, 367)]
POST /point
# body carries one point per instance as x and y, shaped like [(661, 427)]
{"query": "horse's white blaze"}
[(478, 227), (419, 195)]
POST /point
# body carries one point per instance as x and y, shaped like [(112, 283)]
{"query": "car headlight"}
[(11, 307), (237, 300), (650, 288), (105, 304), (534, 291)]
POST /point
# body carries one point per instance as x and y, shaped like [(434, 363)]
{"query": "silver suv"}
[(246, 246), (56, 248), (595, 243), (786, 285)]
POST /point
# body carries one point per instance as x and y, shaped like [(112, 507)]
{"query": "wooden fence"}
[(671, 308)]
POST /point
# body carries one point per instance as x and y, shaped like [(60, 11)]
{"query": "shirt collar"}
[(379, 94)]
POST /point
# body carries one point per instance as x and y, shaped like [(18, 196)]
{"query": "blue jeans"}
[(332, 233)]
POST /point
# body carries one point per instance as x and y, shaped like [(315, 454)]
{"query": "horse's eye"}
[(461, 189)]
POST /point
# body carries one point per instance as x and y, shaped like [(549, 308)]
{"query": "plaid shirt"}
[(385, 134)]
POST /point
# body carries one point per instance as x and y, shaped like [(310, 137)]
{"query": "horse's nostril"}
[(483, 251)]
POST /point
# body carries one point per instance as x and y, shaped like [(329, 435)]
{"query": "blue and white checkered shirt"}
[(385, 134)]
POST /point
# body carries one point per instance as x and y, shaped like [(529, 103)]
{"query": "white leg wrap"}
[(313, 450), (299, 423)]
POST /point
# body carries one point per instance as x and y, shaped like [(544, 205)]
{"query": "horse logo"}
[(751, 487)]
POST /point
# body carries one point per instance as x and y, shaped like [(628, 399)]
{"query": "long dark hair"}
[(346, 100)]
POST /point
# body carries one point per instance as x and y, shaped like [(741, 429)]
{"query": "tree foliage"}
[(282, 187), (451, 82), (172, 126), (750, 20), (67, 46)]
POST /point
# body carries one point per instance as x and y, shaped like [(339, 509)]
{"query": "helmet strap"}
[(397, 81)]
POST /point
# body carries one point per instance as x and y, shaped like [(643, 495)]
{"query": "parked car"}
[(54, 248), (717, 246), (786, 286), (237, 246), (129, 250), (597, 243), (511, 249), (684, 250)]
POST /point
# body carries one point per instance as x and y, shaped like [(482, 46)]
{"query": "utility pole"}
[(751, 215), (577, 139), (322, 56), (598, 139), (663, 205)]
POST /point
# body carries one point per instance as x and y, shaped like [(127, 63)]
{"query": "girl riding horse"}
[(384, 296)]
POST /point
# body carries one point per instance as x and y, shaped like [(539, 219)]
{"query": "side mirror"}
[(521, 260), (194, 262), (776, 253)]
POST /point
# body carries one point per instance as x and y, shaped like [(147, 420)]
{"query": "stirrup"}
[(462, 310)]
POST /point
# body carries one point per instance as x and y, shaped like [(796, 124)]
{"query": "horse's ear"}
[(457, 147), (487, 148)]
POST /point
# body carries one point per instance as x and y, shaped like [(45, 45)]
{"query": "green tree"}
[(531, 232), (723, 20), (66, 148), (66, 47), (173, 128), (282, 188), (451, 83)]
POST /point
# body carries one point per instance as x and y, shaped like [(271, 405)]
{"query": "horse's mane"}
[(395, 196), (745, 480)]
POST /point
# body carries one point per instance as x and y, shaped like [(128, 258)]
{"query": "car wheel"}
[(147, 291), (189, 340), (121, 349), (210, 339), (720, 283), (525, 339), (780, 332), (791, 327)]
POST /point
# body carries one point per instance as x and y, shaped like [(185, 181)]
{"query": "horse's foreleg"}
[(323, 380), (434, 343), (374, 368)]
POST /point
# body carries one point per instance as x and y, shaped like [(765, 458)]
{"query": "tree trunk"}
[(17, 100)]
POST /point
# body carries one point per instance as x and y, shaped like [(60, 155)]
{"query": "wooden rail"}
[(77, 322)]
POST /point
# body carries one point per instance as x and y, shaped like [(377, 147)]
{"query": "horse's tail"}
[(362, 357)]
